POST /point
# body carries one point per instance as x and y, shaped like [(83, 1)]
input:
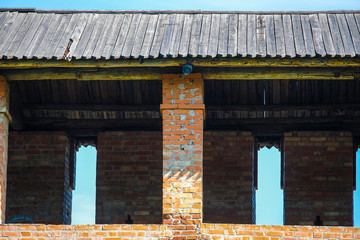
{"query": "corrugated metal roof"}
[(62, 34)]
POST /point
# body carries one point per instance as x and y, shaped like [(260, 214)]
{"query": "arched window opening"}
[(269, 184), (84, 195)]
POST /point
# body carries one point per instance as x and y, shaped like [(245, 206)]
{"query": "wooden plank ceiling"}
[(225, 92), (262, 106), (236, 104), (51, 34)]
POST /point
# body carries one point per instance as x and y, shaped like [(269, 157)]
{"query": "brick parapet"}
[(267, 232), (175, 232)]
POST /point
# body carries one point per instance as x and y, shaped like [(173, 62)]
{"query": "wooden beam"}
[(94, 112), (275, 127), (71, 107), (355, 106), (92, 125), (196, 62), (156, 73), (268, 74), (106, 112), (61, 74), (209, 108)]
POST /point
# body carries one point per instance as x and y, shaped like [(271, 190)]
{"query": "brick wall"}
[(261, 232), (318, 178), (176, 232), (38, 178), (129, 177), (183, 115), (228, 179), (4, 131)]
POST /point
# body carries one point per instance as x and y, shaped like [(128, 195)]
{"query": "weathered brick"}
[(4, 131), (132, 185), (227, 171), (38, 163), (318, 178), (187, 157)]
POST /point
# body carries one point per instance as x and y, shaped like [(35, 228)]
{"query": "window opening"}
[(84, 195), (269, 183)]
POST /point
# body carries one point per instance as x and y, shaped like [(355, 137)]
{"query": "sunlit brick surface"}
[(183, 115), (262, 232), (176, 232)]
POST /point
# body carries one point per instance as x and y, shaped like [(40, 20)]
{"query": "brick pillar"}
[(318, 178), (183, 114), (4, 131)]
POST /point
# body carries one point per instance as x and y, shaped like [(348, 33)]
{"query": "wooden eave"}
[(179, 62)]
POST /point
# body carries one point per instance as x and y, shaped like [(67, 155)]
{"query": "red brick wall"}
[(183, 115), (4, 131), (176, 232), (129, 177), (38, 178), (262, 232), (318, 178), (228, 179)]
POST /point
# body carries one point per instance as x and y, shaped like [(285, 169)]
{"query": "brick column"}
[(318, 178), (183, 114), (4, 131)]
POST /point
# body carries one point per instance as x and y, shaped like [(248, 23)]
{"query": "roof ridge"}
[(171, 11)]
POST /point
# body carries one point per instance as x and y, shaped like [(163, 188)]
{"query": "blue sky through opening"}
[(269, 196), (84, 196)]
